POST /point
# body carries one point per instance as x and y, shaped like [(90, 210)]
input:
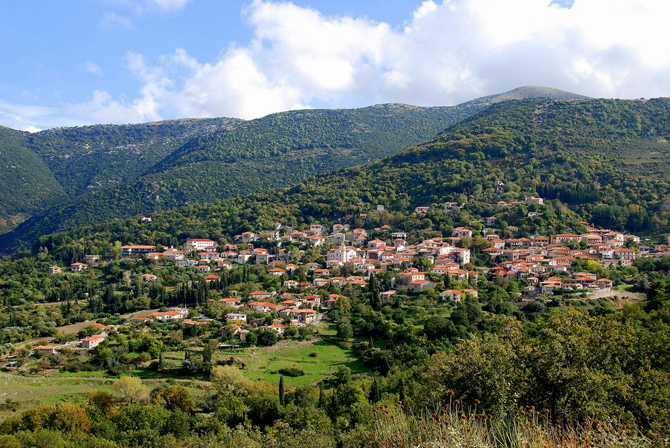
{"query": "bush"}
[(292, 371)]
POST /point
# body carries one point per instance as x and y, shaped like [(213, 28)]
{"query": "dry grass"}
[(456, 428)]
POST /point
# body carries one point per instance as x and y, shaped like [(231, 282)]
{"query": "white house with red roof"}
[(92, 342), (200, 244), (78, 267)]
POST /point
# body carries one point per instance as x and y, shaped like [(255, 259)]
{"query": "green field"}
[(26, 392), (260, 362)]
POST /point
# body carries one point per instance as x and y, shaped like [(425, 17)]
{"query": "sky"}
[(72, 62)]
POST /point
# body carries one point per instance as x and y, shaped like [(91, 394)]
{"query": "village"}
[(543, 266)]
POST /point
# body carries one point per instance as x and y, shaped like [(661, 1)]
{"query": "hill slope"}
[(96, 157), (606, 159), (26, 183), (524, 93), (274, 151)]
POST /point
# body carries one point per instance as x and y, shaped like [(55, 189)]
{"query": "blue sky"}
[(69, 63)]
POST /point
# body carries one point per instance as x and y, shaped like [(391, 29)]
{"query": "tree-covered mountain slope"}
[(603, 161), (90, 158), (274, 151), (26, 183)]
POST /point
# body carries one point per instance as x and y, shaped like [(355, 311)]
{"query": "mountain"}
[(274, 151), (605, 161), (523, 93), (27, 185), (90, 158), (229, 158)]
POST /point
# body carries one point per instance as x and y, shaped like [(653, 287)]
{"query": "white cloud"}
[(112, 20), (170, 4), (25, 117), (92, 67), (30, 128), (444, 54)]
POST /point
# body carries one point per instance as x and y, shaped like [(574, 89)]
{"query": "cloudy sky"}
[(73, 62)]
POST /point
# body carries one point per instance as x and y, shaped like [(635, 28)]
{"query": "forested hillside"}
[(96, 157), (275, 151), (26, 183), (605, 159), (113, 171)]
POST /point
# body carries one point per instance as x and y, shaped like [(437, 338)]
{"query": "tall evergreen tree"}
[(282, 396)]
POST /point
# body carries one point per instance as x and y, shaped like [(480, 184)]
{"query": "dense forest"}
[(27, 186)]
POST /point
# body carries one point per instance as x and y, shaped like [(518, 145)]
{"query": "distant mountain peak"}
[(526, 92)]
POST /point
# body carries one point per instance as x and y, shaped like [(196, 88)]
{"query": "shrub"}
[(292, 371)]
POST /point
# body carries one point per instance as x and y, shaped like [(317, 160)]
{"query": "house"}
[(55, 270), (462, 232), (236, 317), (78, 267), (451, 294), (530, 200), (278, 328), (410, 275), (92, 341), (46, 350), (168, 316), (141, 320), (173, 255), (230, 302), (421, 210), (148, 277), (257, 295), (604, 283), (261, 307), (129, 251), (420, 285), (304, 316), (566, 238), (199, 244)]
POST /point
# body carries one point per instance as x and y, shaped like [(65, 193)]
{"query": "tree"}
[(345, 330), (282, 397), (227, 378), (131, 389), (174, 397)]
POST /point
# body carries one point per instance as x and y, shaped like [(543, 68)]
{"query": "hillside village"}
[(448, 268)]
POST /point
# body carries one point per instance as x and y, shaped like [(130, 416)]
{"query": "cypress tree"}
[(322, 397), (282, 397)]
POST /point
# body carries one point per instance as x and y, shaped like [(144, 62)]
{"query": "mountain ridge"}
[(244, 157)]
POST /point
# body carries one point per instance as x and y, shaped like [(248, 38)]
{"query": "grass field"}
[(260, 363), (21, 392), (26, 392)]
